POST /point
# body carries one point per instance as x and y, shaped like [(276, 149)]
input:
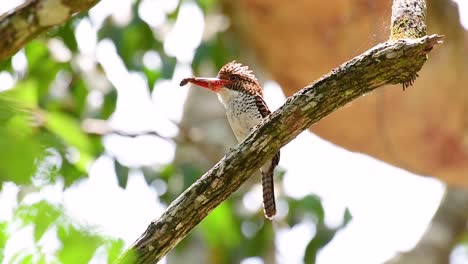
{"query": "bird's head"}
[(232, 76)]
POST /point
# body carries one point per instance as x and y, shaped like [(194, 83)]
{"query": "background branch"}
[(185, 136), (392, 62), (408, 19), (27, 21)]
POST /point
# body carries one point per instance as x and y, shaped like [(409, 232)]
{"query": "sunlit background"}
[(390, 207)]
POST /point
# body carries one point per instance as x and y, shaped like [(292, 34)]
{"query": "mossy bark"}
[(27, 21), (408, 19)]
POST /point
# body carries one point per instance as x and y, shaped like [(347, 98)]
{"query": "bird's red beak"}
[(213, 84)]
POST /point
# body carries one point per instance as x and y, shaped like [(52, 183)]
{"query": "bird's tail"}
[(268, 186)]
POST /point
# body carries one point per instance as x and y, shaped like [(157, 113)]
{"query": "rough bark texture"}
[(34, 17), (392, 62), (403, 24), (425, 131), (442, 235)]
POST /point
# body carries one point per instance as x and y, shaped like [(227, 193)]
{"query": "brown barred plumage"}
[(268, 187)]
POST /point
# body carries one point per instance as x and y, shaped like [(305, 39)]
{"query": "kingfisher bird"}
[(242, 96)]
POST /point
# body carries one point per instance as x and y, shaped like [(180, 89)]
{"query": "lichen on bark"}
[(408, 19), (32, 18)]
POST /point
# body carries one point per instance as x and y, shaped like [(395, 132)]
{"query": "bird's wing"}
[(262, 106)]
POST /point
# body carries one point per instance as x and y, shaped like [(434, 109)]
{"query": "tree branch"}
[(408, 19), (34, 17), (391, 62)]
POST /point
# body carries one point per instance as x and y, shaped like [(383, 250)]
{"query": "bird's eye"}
[(234, 78)]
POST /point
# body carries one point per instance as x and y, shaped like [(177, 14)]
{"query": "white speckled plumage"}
[(241, 111)]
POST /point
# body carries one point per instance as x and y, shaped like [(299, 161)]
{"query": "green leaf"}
[(151, 77), (321, 238), (67, 34), (347, 217), (9, 107), (3, 239), (41, 66), (41, 214), (114, 249), (167, 171), (24, 92), (18, 156), (23, 258), (310, 204), (122, 173), (79, 246), (168, 67), (79, 92), (71, 173), (109, 104), (5, 65), (221, 221), (191, 173), (206, 5), (36, 51), (78, 243), (262, 242), (174, 14), (69, 130)]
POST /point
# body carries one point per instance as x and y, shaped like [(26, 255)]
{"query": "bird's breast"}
[(242, 113)]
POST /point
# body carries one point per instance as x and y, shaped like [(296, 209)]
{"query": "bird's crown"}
[(235, 68)]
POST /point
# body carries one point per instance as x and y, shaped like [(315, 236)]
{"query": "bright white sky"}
[(387, 216)]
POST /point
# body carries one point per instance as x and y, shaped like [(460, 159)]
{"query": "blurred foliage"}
[(42, 141), (76, 244)]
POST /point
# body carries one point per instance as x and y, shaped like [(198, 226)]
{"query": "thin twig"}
[(102, 127)]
